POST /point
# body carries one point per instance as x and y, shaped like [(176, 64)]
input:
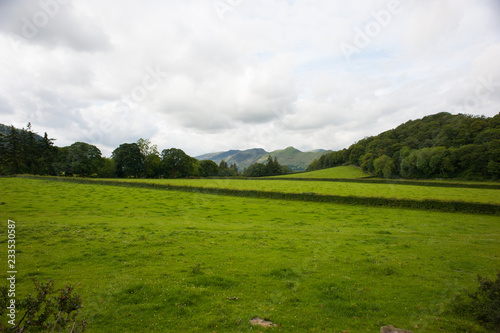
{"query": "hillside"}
[(437, 146), (4, 130), (293, 158), (340, 172)]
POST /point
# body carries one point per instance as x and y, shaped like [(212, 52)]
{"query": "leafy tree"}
[(273, 167), (233, 169), (13, 152), (81, 159), (129, 161), (255, 170), (227, 171), (383, 166), (47, 155), (176, 163), (208, 168), (473, 160), (315, 165), (152, 166), (107, 169), (152, 159), (28, 149), (223, 165), (367, 163)]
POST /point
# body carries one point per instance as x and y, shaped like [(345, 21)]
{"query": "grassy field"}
[(345, 172), (151, 260), (398, 191)]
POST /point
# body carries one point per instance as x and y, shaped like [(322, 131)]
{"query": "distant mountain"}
[(294, 158)]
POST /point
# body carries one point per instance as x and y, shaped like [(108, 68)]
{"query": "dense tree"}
[(255, 170), (177, 164), (226, 170), (80, 159), (23, 151), (439, 145), (383, 166), (47, 156), (13, 161), (271, 168), (129, 160), (208, 168), (107, 169), (152, 159)]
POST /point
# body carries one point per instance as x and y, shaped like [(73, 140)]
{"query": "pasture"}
[(168, 261), (397, 191), (345, 172)]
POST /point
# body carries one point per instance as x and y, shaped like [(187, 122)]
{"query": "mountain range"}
[(293, 158)]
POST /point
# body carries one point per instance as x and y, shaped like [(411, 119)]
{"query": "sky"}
[(213, 75)]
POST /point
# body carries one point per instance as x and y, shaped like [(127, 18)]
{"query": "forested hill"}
[(437, 146), (5, 130)]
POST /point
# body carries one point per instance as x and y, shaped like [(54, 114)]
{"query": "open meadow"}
[(390, 191), (172, 261)]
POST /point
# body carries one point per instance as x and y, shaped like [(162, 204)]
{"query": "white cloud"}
[(269, 74)]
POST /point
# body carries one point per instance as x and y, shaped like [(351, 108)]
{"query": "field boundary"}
[(427, 204), (388, 182)]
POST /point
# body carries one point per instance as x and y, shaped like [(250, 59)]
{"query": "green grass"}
[(150, 260), (398, 191), (345, 172)]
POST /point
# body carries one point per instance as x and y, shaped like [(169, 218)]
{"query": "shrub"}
[(483, 305), (47, 310)]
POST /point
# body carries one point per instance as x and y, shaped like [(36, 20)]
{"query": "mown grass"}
[(149, 260), (343, 172), (398, 191)]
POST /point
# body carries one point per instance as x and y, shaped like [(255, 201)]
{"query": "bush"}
[(483, 305), (47, 310)]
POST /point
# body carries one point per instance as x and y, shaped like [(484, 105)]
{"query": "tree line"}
[(24, 152), (436, 146)]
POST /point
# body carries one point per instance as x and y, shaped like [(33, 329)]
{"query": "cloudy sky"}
[(213, 75)]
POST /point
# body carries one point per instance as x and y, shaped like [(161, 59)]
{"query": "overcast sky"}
[(213, 75)]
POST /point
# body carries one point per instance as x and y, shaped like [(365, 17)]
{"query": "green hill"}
[(345, 172), (5, 130), (437, 146)]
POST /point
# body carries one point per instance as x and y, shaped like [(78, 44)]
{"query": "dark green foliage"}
[(152, 159), (175, 163), (483, 305), (129, 160), (271, 168), (107, 169), (208, 168), (227, 171), (383, 166), (440, 145), (23, 151), (47, 310), (80, 159)]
